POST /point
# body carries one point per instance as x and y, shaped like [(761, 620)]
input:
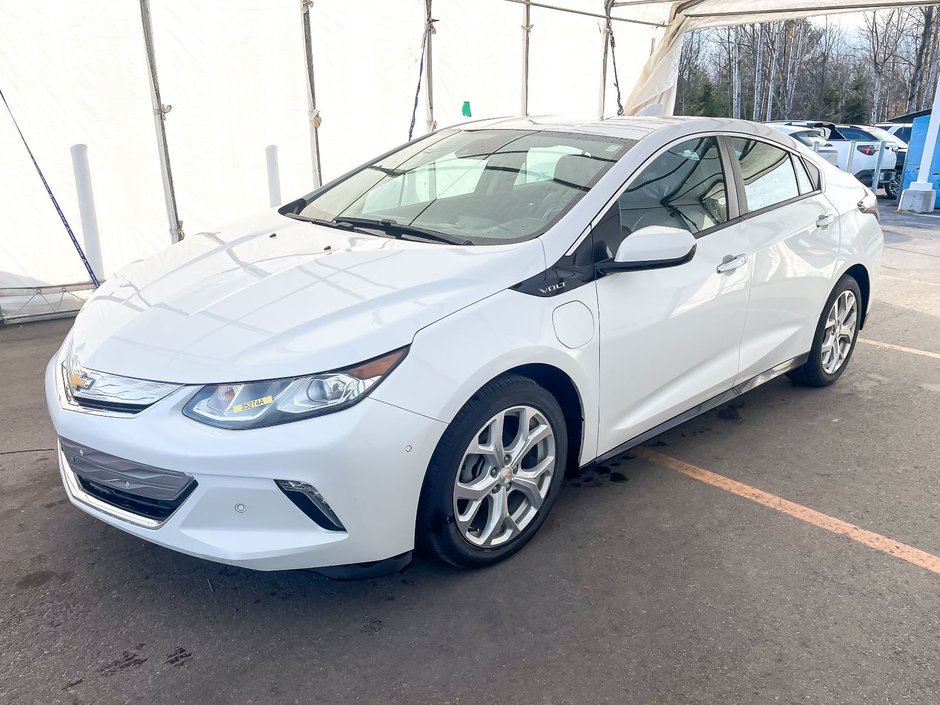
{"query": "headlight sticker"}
[(253, 404)]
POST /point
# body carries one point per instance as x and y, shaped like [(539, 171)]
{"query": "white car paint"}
[(271, 297)]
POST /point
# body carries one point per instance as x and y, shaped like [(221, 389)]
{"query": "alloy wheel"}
[(839, 335), (504, 476)]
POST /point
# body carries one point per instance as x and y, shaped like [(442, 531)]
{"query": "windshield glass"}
[(485, 186)]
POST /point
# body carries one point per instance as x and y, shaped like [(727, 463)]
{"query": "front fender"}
[(453, 358)]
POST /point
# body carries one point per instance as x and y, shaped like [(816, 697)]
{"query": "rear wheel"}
[(495, 474), (835, 337)]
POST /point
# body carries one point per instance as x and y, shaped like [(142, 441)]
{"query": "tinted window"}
[(488, 186), (684, 187), (802, 177), (904, 133), (854, 133), (767, 173)]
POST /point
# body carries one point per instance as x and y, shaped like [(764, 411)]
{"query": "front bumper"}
[(368, 462)]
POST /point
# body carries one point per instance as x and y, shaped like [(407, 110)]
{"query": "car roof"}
[(632, 127)]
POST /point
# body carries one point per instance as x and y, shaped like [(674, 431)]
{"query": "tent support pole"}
[(159, 116), (526, 28), (428, 76), (313, 112), (605, 32)]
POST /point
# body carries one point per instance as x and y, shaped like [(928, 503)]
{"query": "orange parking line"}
[(798, 511), (900, 348)]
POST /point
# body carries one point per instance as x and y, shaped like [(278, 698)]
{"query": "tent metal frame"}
[(679, 22)]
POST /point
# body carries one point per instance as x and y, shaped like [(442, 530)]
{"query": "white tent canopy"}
[(236, 75)]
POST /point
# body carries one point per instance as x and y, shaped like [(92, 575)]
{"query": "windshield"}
[(483, 186)]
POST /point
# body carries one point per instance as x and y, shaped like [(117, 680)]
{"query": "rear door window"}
[(767, 172), (803, 179)]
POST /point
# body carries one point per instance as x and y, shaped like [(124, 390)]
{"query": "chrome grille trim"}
[(87, 472)]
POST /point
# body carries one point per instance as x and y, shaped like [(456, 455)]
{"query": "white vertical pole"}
[(602, 93), (86, 209), (274, 175), (930, 145), (428, 73), (876, 175), (159, 117), (850, 157), (313, 112), (526, 28)]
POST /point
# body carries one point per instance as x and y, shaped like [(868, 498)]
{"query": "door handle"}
[(825, 220), (730, 263)]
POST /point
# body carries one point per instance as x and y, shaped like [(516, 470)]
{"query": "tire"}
[(442, 527), (820, 370), (893, 188)]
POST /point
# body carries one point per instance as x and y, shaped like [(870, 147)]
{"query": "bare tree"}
[(736, 74), (758, 73), (882, 34), (793, 68), (773, 70)]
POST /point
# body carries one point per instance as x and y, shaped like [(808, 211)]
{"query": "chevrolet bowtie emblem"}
[(79, 381)]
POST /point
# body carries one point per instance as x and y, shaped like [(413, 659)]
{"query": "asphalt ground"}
[(646, 585)]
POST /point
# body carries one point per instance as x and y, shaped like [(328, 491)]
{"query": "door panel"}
[(670, 338), (793, 244), (794, 261)]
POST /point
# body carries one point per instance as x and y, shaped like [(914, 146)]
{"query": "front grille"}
[(134, 487), (151, 508)]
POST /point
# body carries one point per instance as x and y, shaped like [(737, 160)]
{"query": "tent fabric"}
[(75, 72)]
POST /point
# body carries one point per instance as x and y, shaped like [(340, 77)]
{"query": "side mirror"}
[(652, 247)]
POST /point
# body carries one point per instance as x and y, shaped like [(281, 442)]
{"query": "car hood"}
[(274, 297)]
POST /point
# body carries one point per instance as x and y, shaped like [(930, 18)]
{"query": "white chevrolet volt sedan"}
[(414, 353)]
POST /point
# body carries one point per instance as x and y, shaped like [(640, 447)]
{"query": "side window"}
[(767, 173), (684, 187), (904, 133), (802, 176)]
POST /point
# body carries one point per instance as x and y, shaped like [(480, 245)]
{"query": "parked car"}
[(812, 138), (862, 160), (901, 130), (415, 352)]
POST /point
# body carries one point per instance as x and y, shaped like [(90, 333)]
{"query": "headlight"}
[(257, 404)]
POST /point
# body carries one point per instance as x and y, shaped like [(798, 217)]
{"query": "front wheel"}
[(835, 337), (494, 475)]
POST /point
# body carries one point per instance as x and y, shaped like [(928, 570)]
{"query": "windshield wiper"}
[(339, 224), (397, 230)]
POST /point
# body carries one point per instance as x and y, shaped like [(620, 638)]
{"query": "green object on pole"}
[(466, 109)]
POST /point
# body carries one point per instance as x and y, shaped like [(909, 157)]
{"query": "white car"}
[(858, 151), (812, 138), (416, 352), (900, 130)]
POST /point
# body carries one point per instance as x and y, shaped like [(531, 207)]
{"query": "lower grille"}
[(151, 508), (133, 487)]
